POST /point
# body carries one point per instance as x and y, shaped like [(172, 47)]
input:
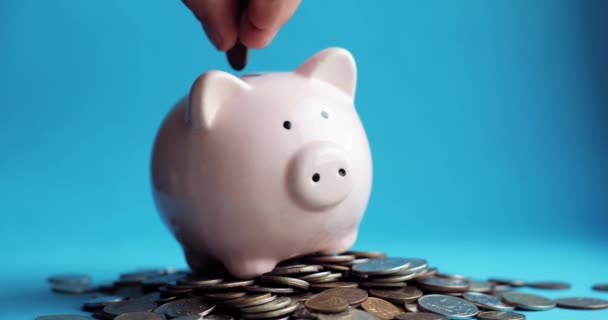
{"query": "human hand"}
[(255, 27)]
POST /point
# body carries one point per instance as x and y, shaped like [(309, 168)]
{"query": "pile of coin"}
[(349, 286)]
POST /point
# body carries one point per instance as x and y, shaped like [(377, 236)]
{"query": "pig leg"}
[(248, 268), (201, 263), (341, 244)]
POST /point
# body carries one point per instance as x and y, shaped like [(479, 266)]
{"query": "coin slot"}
[(342, 172), (287, 125), (316, 177)]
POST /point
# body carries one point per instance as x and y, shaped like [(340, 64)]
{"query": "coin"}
[(100, 302), (376, 284), (335, 267), (225, 284), (300, 296), (487, 301), (367, 254), (225, 295), (332, 258), (335, 284), (250, 300), (397, 278), (403, 295), (118, 308), (314, 276), (354, 296), (327, 303), (510, 282), (273, 305), (600, 287), (581, 303), (555, 285), (440, 284), (382, 266), (451, 307), (198, 280), (190, 307), (63, 317), (295, 269), (69, 278), (357, 314), (258, 288), (528, 301), (74, 288), (479, 286), (290, 282), (215, 317), (426, 273), (237, 56), (500, 315), (189, 318), (328, 278), (380, 308), (419, 316), (411, 307), (139, 316), (272, 314)]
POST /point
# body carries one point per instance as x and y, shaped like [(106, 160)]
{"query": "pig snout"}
[(319, 176)]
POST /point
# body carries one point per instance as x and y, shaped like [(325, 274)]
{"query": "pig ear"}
[(335, 66), (208, 93)]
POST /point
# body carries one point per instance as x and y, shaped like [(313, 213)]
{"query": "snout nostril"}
[(316, 177), (342, 172)]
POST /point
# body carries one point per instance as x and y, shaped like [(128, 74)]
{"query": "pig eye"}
[(324, 114), (287, 125)]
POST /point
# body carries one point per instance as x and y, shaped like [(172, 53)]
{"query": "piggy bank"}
[(252, 170)]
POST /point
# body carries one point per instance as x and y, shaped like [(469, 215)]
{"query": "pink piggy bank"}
[(249, 171)]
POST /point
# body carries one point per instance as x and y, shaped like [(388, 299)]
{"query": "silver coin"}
[(139, 316), (444, 284), (411, 307), (358, 314), (99, 302), (382, 266), (189, 318), (487, 301), (118, 308), (403, 295), (397, 278), (479, 286), (419, 316), (190, 307), (500, 315), (528, 301), (582, 303), (426, 273), (314, 276), (328, 278), (74, 288), (510, 282), (451, 307), (272, 314), (197, 280), (273, 305), (295, 269), (216, 317), (70, 278), (258, 288), (376, 284), (250, 300), (287, 281), (63, 317), (226, 284)]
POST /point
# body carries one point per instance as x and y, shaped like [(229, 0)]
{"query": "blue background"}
[(487, 122)]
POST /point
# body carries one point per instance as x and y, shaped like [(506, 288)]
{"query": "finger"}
[(263, 19), (219, 19)]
